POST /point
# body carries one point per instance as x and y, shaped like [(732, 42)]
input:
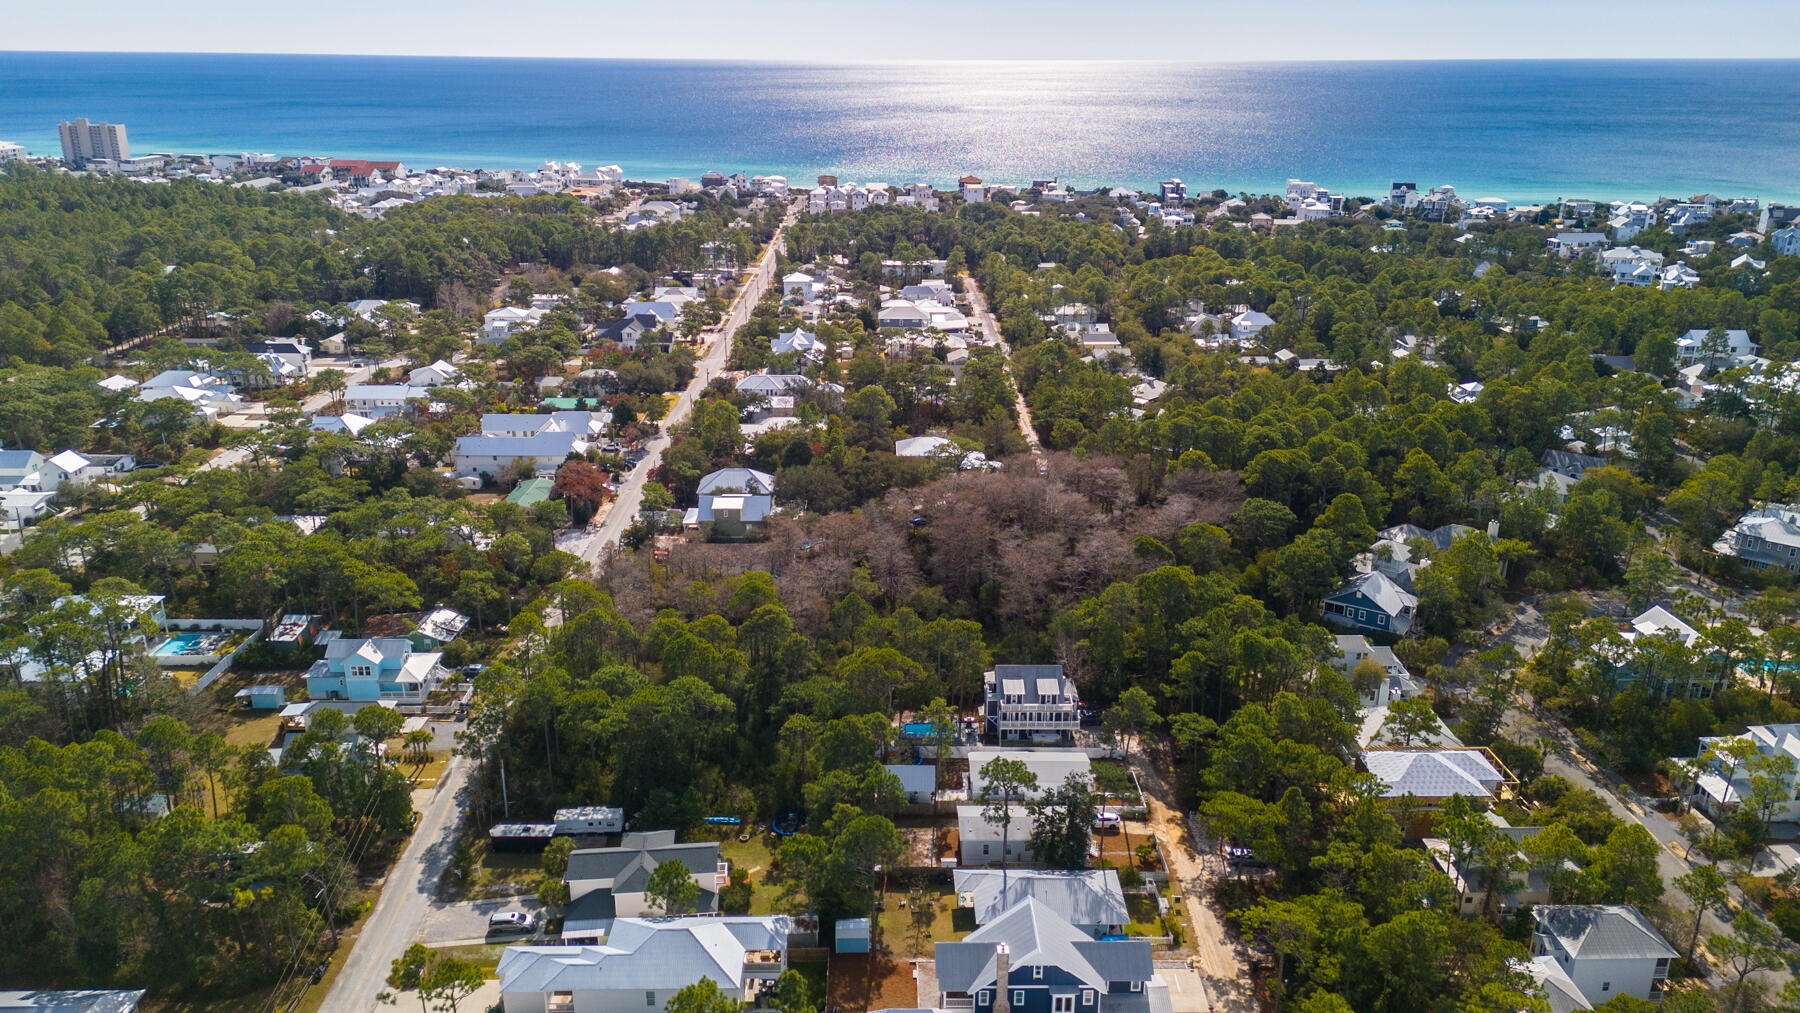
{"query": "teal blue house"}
[(387, 668)]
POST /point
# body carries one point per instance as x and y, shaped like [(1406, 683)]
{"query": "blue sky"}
[(834, 31)]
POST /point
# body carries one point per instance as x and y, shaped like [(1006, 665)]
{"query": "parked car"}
[(511, 922), (1107, 822)]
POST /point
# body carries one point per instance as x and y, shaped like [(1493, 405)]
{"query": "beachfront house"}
[(385, 668)]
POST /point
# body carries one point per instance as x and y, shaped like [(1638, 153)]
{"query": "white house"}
[(800, 285), (25, 469), (379, 400), (1786, 241), (1607, 950), (493, 456), (1396, 683), (1692, 347), (436, 374), (1719, 785), (1572, 244), (644, 962), (1051, 767), (500, 324), (800, 342), (979, 842), (1247, 325)]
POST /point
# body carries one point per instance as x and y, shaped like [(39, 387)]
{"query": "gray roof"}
[(1566, 463), (73, 1000), (535, 445), (628, 867), (1602, 931), (1035, 936), (662, 954), (1084, 897), (1432, 773), (738, 480), (1378, 588)]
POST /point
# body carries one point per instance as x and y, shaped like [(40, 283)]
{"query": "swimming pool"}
[(191, 644)]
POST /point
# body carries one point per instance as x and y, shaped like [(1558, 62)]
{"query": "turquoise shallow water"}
[(1521, 130)]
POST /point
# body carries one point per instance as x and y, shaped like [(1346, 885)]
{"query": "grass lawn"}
[(487, 956), (908, 930), (757, 858), (1146, 922), (251, 729), (502, 874), (425, 776)]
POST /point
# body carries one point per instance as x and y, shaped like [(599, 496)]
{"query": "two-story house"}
[(1035, 703), (1607, 950), (1089, 899), (1719, 783), (1030, 960), (643, 963), (1373, 603), (385, 668), (609, 883), (1766, 536)]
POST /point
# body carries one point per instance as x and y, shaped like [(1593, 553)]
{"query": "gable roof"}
[(1080, 897), (1378, 589), (1602, 931), (641, 954), (1034, 935)]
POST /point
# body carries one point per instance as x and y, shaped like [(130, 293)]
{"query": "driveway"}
[(465, 922)]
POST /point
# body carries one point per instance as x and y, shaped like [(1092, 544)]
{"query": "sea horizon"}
[(1523, 130)]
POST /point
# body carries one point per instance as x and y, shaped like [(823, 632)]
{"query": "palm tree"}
[(418, 742)]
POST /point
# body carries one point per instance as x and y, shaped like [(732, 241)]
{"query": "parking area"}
[(466, 922)]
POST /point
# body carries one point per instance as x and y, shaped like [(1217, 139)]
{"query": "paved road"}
[(990, 329), (1563, 756), (624, 508), (405, 899)]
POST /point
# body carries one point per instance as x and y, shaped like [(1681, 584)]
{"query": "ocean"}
[(1521, 130)]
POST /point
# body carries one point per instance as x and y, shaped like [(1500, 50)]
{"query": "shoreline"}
[(945, 179)]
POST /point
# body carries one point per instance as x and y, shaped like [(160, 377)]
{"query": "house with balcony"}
[(384, 668), (1030, 960), (1767, 536), (608, 883), (1372, 603), (644, 963), (1031, 703), (1607, 950), (1718, 784)]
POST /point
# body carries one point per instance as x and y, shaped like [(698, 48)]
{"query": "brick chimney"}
[(1002, 965)]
